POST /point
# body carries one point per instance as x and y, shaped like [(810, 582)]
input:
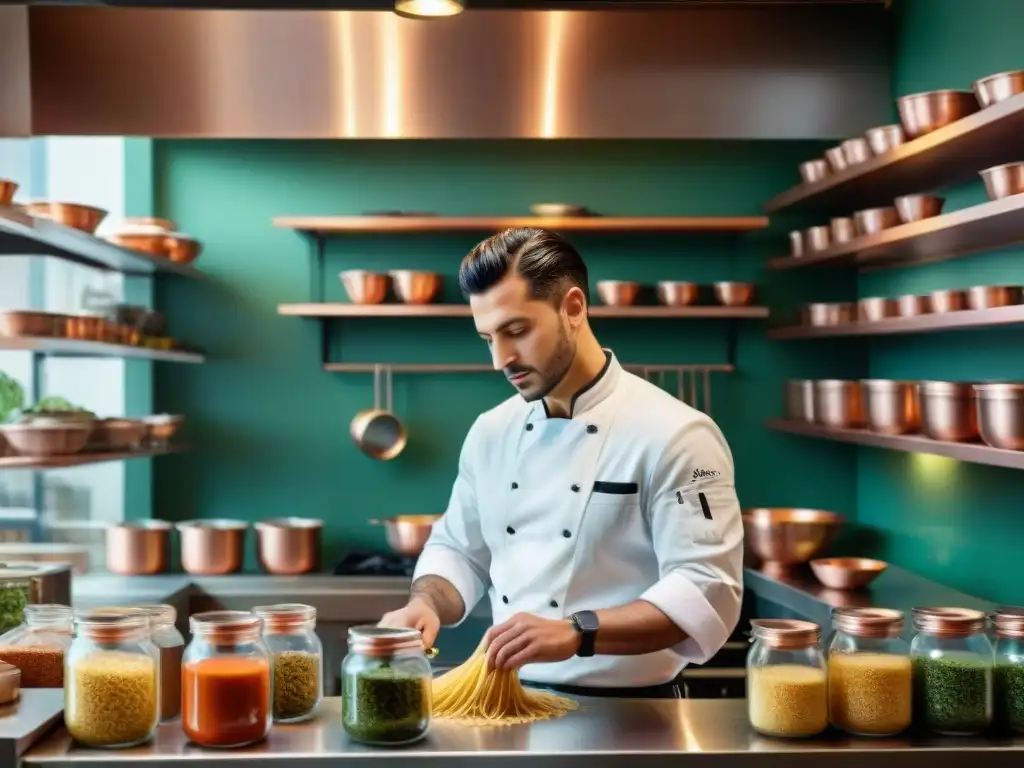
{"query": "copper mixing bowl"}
[(364, 287), (847, 572), (617, 293), (781, 537), (413, 286)]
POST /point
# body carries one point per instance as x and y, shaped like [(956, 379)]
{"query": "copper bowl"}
[(1001, 415), (817, 238), (29, 323), (948, 300), (871, 309), (81, 217), (289, 546), (783, 537), (118, 434), (1003, 180), (918, 207), (139, 548), (796, 243), (825, 313), (414, 286), (7, 190), (856, 150), (847, 572), (949, 411), (893, 407), (884, 138), (47, 437), (839, 404), (149, 221), (162, 427), (407, 534), (922, 113), (842, 229), (874, 220), (678, 293), (363, 286), (144, 238), (998, 87), (212, 547), (182, 249), (814, 170), (617, 293), (836, 158), (730, 293), (911, 305), (990, 296)]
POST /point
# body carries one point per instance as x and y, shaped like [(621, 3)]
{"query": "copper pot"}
[(842, 229), (839, 404), (990, 296), (363, 286), (678, 293), (883, 138), (873, 220), (30, 323), (910, 305), (289, 546), (998, 87), (800, 400), (856, 150), (407, 534), (139, 548), (826, 313), (893, 407), (1003, 180), (1001, 415), (182, 249), (874, 308), (922, 113), (814, 170), (617, 293), (376, 431), (730, 293), (948, 411), (949, 300), (7, 190), (414, 286), (212, 547), (817, 238)]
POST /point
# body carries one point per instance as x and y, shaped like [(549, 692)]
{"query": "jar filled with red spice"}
[(225, 680), (37, 646)]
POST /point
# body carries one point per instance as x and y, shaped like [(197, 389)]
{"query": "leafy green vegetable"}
[(12, 396), (55, 404), (13, 599)]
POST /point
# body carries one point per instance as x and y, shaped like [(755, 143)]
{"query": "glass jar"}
[(111, 680), (289, 631), (170, 645), (953, 671), (385, 686), (870, 677), (14, 596), (1008, 624), (787, 683), (226, 680), (37, 646)]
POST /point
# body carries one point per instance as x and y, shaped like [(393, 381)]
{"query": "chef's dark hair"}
[(546, 260)]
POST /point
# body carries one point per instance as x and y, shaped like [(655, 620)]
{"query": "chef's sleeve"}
[(456, 550), (697, 531)]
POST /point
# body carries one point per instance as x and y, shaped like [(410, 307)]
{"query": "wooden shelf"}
[(340, 225), (939, 159), (945, 321), (463, 310), (78, 459), (57, 347), (979, 228), (975, 453), (24, 235)]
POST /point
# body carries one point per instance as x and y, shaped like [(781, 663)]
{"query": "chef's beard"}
[(554, 371)]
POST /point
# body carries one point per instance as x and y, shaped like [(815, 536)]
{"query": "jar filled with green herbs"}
[(953, 671), (289, 631), (385, 686), (1009, 668)]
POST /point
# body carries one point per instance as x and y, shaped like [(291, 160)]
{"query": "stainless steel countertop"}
[(602, 733), (22, 722)]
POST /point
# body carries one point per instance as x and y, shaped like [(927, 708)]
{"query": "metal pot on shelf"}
[(139, 548), (212, 547), (407, 534), (289, 546)]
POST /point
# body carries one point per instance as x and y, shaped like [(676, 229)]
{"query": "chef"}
[(597, 512)]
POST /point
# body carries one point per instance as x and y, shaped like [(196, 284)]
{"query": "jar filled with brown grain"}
[(870, 675), (170, 645), (37, 645), (111, 680), (787, 681), (289, 631)]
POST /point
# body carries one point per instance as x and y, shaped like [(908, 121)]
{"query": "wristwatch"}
[(586, 623)]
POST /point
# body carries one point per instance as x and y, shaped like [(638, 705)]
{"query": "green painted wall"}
[(957, 523), (271, 428)]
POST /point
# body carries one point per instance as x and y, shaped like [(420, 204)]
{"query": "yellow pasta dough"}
[(474, 694)]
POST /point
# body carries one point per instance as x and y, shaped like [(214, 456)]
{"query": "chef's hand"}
[(417, 614), (526, 638)]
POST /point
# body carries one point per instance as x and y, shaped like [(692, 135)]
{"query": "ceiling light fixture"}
[(428, 9)]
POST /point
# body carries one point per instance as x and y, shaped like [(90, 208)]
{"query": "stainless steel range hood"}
[(780, 72)]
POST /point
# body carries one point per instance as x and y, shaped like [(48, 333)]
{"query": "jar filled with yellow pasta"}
[(110, 680), (787, 682), (385, 686)]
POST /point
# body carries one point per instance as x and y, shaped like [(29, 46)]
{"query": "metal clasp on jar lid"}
[(786, 634), (1008, 621), (949, 622), (868, 622)]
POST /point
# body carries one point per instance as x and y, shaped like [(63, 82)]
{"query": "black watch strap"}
[(586, 623)]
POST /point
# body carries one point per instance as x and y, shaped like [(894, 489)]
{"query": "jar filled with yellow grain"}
[(870, 676), (111, 684), (787, 682), (289, 631)]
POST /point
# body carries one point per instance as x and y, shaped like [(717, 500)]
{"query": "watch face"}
[(587, 621)]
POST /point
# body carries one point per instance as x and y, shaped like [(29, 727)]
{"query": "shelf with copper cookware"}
[(993, 224), (977, 307), (341, 225), (941, 139), (328, 310), (28, 230), (88, 457), (61, 347)]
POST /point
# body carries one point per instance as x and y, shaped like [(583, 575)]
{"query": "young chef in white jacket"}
[(597, 512)]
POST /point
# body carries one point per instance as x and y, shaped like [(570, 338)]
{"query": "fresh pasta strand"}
[(473, 694)]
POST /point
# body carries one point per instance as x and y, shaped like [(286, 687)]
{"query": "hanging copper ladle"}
[(377, 432)]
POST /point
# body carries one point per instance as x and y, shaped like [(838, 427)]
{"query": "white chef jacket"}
[(631, 497)]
